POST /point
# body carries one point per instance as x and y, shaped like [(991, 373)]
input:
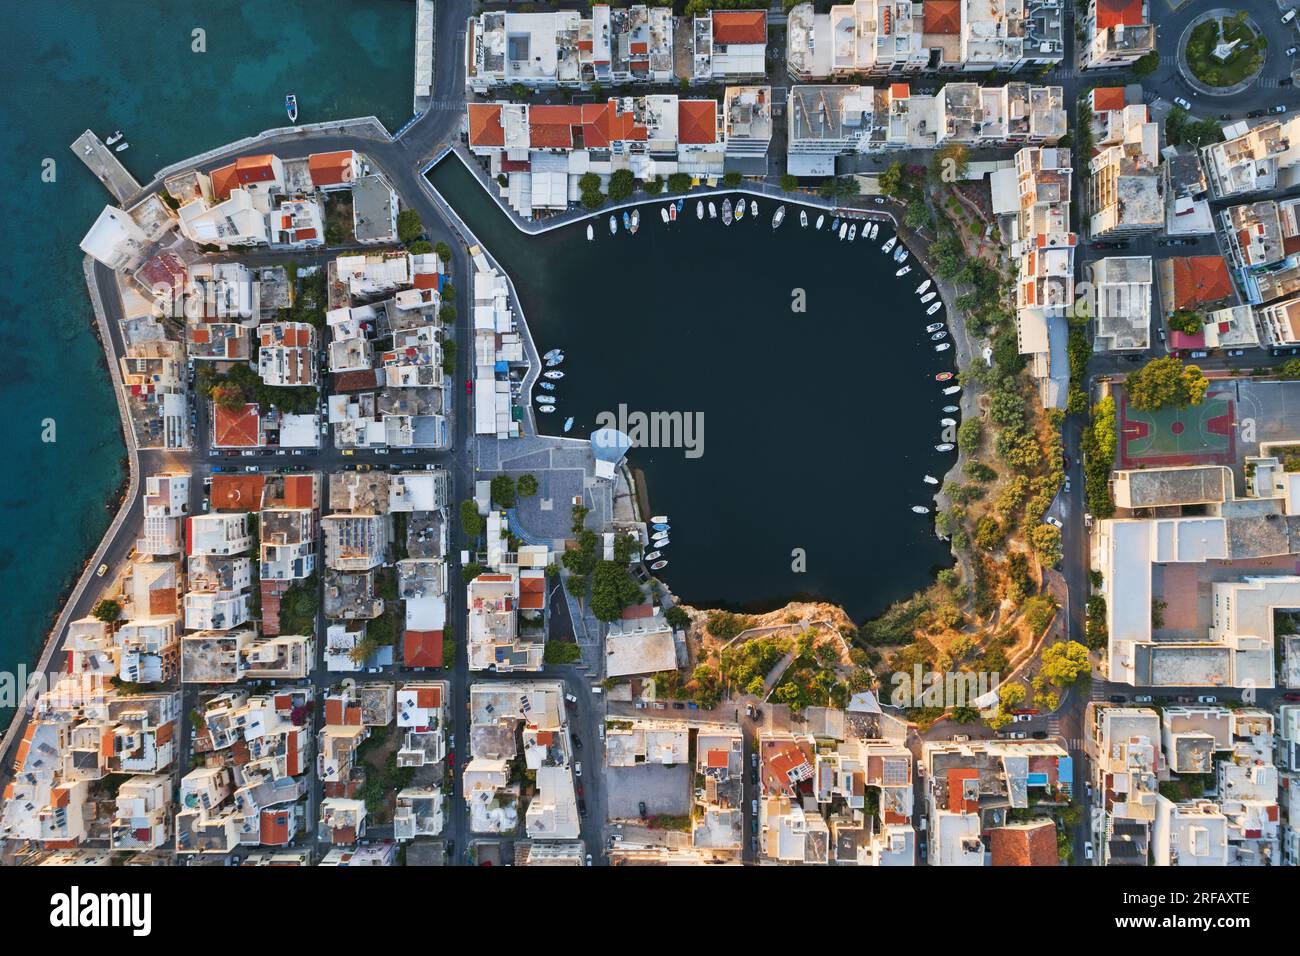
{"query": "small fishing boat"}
[(661, 543), (636, 221), (627, 220), (291, 107), (555, 374), (663, 214), (568, 423), (803, 218), (778, 217), (658, 565), (820, 219), (927, 297), (653, 555), (875, 230), (753, 207), (934, 327), (952, 390), (930, 479), (119, 148), (844, 229), (853, 232), (943, 376), (921, 509), (658, 535), (944, 446), (114, 138), (903, 271), (549, 386), (613, 225), (546, 399), (679, 204), (934, 308), (740, 210), (951, 409), (699, 209), (900, 254), (659, 519), (939, 336), (713, 210), (546, 409), (726, 212), (889, 244), (923, 286), (672, 212), (660, 525), (835, 224), (591, 233), (943, 346), (947, 422), (553, 358)]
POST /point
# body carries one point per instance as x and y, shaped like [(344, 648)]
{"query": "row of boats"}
[(546, 399), (658, 541), (631, 219), (938, 332)]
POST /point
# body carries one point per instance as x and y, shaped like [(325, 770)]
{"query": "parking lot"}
[(665, 790)]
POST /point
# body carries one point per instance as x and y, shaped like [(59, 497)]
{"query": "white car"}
[(1087, 850), (1179, 101), (577, 769), (879, 201), (1023, 718), (1053, 521)]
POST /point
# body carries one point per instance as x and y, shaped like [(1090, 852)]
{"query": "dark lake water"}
[(817, 425)]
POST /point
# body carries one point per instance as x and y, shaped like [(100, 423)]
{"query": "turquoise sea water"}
[(128, 65)]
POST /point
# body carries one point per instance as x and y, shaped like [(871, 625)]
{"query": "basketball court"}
[(1197, 435)]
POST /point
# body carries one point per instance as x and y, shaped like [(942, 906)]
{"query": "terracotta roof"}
[(697, 121), (428, 696), (1030, 845), (942, 16), (422, 648), (532, 593), (299, 491), (164, 269), (223, 180), (900, 91), (739, 26), (717, 758), (241, 492), (956, 793), (330, 169), (1105, 98), (275, 828), (362, 380), (485, 127), (638, 611), (1116, 12), (1199, 280), (162, 601), (237, 428)]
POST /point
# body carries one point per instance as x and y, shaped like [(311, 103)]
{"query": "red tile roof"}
[(900, 91), (739, 26), (330, 169), (1033, 845), (422, 648), (1200, 280), (275, 828), (717, 758), (223, 180), (697, 121), (638, 611), (1116, 12), (942, 17), (164, 269), (485, 127), (532, 593), (1105, 98), (237, 428)]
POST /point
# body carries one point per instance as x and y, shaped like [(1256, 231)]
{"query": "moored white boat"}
[(947, 422), (921, 509), (568, 423), (900, 254), (653, 555), (548, 386), (291, 107), (672, 211), (935, 307), (903, 271), (820, 219), (659, 519), (113, 139), (803, 218), (853, 232), (844, 229), (952, 390), (591, 233), (613, 225), (658, 565), (943, 446), (875, 230), (661, 543), (699, 209), (951, 409), (555, 374), (713, 210), (927, 297), (545, 399), (934, 327), (938, 336), (923, 286), (663, 213), (546, 409), (636, 221), (753, 207), (930, 480), (121, 146), (943, 346), (726, 212), (889, 244), (740, 210), (778, 217)]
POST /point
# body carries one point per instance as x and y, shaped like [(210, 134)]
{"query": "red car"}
[(1025, 710), (469, 386), (451, 761)]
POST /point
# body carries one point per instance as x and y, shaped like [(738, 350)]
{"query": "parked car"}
[(577, 742), (1039, 735), (1286, 81), (1179, 101), (1290, 51), (753, 776), (469, 386), (250, 468), (101, 571), (1255, 114), (589, 859), (1118, 699), (1199, 354), (1280, 108), (1120, 244), (1207, 699), (880, 201), (577, 769), (1087, 850), (1022, 718), (1289, 15), (1054, 521), (1144, 699), (570, 701), (753, 825), (753, 806), (1235, 353), (753, 759), (1067, 484)]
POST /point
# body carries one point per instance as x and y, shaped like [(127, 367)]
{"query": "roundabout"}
[(1222, 52)]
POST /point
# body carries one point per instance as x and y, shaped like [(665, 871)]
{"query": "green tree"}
[(679, 183), (653, 187), (1065, 663), (442, 250), (1146, 65), (612, 589), (970, 435), (677, 618), (409, 226), (471, 522), (621, 184), (527, 486), (420, 247), (1164, 382), (789, 183), (732, 180), (503, 491), (106, 610)]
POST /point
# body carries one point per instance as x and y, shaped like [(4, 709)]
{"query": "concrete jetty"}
[(101, 161)]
